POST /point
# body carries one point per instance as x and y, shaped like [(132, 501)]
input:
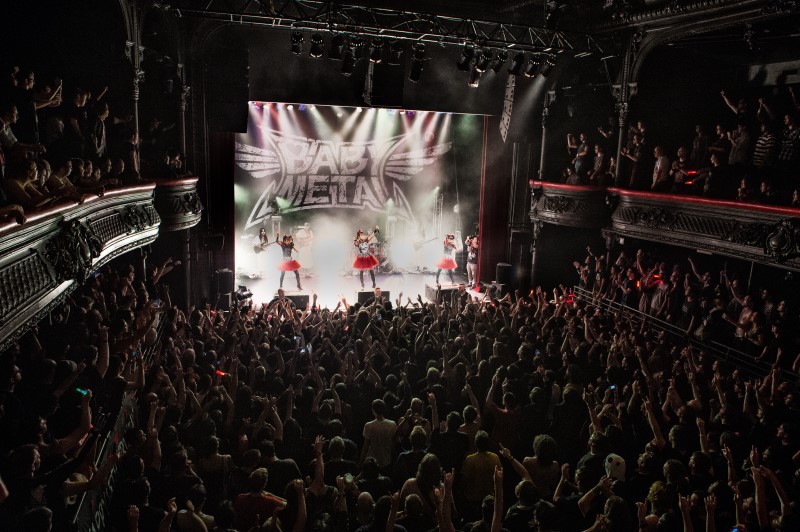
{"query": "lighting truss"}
[(369, 22)]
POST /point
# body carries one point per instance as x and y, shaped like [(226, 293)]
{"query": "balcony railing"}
[(43, 260), (178, 204), (760, 233)]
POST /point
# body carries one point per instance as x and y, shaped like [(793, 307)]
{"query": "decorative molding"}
[(766, 235), (178, 204), (21, 281), (573, 206), (783, 241), (70, 252), (45, 259)]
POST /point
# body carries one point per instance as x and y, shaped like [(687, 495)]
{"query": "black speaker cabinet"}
[(223, 281)]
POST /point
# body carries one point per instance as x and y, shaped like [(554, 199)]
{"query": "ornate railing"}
[(571, 205), (178, 204), (46, 258), (761, 233)]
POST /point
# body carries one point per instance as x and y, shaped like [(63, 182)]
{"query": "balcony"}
[(178, 204), (43, 260), (761, 233)]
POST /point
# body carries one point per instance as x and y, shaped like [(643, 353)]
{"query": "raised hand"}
[(505, 452), (711, 504)]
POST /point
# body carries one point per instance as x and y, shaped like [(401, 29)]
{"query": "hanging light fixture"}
[(467, 56), (547, 66), (395, 53), (317, 45), (517, 64), (376, 51), (498, 61), (336, 50), (417, 62), (297, 42), (348, 59), (531, 67)]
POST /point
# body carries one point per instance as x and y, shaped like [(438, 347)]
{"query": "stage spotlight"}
[(499, 61), (395, 53), (339, 114), (547, 66), (417, 63), (348, 60), (337, 48), (484, 58), (532, 67), (317, 46), (290, 107), (376, 51), (302, 107), (297, 42), (467, 56), (474, 77), (358, 109), (517, 64)]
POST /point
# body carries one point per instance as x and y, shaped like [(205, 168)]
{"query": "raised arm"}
[(497, 514)]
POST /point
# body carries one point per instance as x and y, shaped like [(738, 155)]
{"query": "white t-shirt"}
[(380, 434)]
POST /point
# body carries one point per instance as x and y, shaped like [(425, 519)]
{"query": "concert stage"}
[(410, 284)]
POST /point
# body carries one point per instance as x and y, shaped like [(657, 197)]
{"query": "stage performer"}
[(472, 261), (364, 259), (288, 264), (262, 242), (447, 262)]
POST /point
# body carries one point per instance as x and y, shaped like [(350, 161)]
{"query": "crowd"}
[(521, 413), (753, 157), (57, 145)]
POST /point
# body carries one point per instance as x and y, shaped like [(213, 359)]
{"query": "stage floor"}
[(330, 288)]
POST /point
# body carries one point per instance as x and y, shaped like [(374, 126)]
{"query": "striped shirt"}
[(766, 150), (790, 145)]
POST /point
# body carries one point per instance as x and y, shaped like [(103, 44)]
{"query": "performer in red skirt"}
[(447, 262), (364, 259), (288, 264)]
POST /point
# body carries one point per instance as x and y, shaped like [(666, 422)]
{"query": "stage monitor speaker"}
[(366, 295), (498, 290), (223, 281), (445, 293), (504, 273), (300, 300), (228, 86)]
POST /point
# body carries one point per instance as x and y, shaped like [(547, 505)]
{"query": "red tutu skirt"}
[(365, 263), (446, 264), (289, 266)]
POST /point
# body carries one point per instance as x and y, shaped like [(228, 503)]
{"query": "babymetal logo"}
[(319, 174)]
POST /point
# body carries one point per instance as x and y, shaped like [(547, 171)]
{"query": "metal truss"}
[(390, 24)]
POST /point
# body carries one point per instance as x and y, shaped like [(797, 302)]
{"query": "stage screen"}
[(320, 173)]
